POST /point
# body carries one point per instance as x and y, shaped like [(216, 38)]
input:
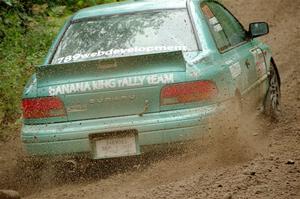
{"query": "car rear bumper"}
[(155, 128)]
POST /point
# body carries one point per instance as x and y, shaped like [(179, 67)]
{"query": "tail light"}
[(38, 108), (188, 92)]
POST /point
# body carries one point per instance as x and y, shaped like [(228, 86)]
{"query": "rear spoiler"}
[(64, 73)]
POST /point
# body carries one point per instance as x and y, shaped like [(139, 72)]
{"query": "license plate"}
[(115, 146)]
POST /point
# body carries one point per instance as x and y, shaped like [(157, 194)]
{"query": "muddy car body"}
[(126, 75)]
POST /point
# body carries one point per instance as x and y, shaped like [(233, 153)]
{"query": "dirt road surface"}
[(263, 161)]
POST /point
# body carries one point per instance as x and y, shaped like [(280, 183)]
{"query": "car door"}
[(233, 45)]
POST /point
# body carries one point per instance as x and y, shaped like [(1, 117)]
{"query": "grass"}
[(20, 51)]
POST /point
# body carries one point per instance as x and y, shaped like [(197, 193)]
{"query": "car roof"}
[(129, 6)]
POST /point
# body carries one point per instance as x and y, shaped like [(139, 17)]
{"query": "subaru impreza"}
[(122, 76)]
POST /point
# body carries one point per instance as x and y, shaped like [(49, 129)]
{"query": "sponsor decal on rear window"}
[(213, 21), (208, 13), (128, 82), (117, 52), (217, 28)]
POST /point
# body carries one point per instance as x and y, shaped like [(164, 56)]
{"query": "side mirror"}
[(258, 29)]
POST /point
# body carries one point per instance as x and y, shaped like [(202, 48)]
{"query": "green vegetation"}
[(27, 29)]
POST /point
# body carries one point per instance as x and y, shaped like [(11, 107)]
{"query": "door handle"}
[(247, 63)]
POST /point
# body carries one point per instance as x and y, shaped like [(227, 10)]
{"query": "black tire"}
[(273, 98)]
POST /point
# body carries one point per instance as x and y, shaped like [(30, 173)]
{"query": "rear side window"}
[(216, 29), (225, 24)]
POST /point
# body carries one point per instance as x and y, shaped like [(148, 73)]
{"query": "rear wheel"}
[(273, 98)]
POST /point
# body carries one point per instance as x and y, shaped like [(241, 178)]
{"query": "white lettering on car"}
[(235, 70), (218, 28), (259, 60), (116, 52), (60, 60), (76, 57), (213, 21), (128, 82)]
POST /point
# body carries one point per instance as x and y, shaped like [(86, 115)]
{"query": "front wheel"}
[(273, 97)]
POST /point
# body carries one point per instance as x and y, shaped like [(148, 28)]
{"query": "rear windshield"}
[(126, 35)]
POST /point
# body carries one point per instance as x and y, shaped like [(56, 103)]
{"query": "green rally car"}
[(126, 75)]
